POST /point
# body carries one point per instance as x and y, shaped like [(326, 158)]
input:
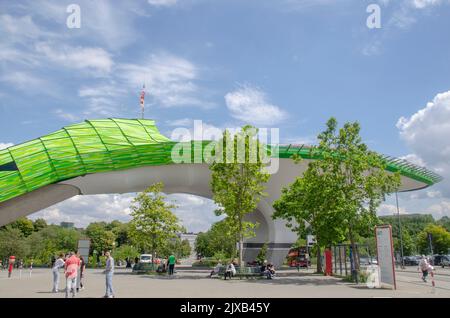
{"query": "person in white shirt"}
[(109, 271), (59, 263), (424, 267), (230, 271)]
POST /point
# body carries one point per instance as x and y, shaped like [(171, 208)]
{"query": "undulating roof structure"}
[(115, 144)]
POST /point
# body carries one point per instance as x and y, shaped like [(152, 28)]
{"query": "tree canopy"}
[(339, 194), (153, 222), (238, 180)]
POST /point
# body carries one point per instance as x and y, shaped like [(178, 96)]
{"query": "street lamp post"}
[(400, 232)]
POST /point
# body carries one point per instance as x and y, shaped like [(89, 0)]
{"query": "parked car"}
[(411, 260), (441, 260), (436, 260), (145, 258), (445, 261), (367, 261)]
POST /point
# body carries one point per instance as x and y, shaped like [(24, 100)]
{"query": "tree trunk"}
[(241, 247), (241, 244), (319, 259), (355, 257)]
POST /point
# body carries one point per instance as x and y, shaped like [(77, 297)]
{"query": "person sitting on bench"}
[(270, 271), (230, 271), (216, 269)]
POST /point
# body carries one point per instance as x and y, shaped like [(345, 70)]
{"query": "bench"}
[(142, 268), (245, 272)]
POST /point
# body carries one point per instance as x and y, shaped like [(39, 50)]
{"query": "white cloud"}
[(426, 133), (28, 83), (170, 80), (111, 90), (183, 122), (300, 5), (440, 209), (90, 58), (162, 3), (421, 4), (106, 23), (400, 15), (88, 208), (251, 105), (196, 213), (413, 158), (66, 116), (390, 209), (4, 145), (21, 29)]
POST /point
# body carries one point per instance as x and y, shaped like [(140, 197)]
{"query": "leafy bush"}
[(207, 262)]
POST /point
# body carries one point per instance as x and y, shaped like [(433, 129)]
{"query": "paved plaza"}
[(195, 284)]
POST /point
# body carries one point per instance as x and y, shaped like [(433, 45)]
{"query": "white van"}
[(145, 258)]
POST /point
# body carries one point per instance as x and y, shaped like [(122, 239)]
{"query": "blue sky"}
[(289, 64)]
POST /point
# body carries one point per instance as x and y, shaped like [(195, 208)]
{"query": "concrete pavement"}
[(195, 284)]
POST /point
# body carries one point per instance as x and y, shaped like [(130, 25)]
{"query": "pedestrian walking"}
[(171, 261), (31, 266), (11, 261), (80, 272), (20, 268), (71, 273), (424, 267), (109, 271), (59, 263)]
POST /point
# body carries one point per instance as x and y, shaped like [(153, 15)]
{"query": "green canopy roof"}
[(112, 144)]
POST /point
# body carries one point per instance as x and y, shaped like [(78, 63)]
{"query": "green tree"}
[(125, 251), (101, 238), (219, 239), (24, 225), (342, 190), (262, 255), (185, 249), (12, 242), (440, 239), (445, 222), (409, 247), (308, 208), (238, 178), (180, 248), (201, 245), (39, 224), (153, 224), (121, 232), (51, 241)]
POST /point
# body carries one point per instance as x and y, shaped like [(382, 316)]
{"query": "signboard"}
[(83, 249), (311, 240), (385, 255)]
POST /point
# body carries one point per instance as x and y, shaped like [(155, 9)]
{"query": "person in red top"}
[(71, 270), (12, 259)]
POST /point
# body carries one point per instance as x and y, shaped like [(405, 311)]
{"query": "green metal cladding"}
[(112, 144)]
